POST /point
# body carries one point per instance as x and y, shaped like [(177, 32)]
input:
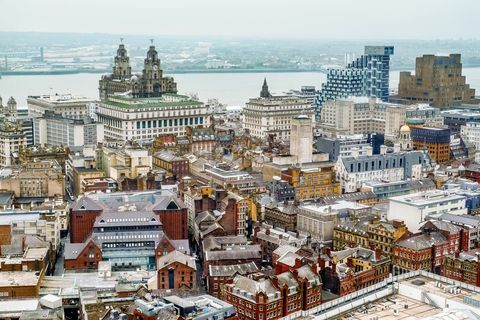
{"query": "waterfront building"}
[(145, 106), (435, 140), (128, 118), (151, 83), (272, 115), (438, 80), (55, 130), (66, 105), (415, 208), (365, 76)]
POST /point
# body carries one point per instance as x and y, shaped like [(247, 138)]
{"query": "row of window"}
[(168, 123)]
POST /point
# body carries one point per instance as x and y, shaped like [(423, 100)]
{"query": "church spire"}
[(265, 93)]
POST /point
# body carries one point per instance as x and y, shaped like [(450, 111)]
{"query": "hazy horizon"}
[(342, 20)]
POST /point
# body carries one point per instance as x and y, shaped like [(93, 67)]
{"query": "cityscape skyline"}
[(113, 17)]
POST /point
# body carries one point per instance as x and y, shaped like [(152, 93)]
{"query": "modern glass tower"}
[(365, 76)]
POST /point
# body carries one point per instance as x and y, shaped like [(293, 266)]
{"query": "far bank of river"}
[(231, 88)]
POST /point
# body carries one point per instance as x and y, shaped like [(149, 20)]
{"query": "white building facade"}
[(67, 105), (470, 133), (143, 119), (414, 208), (273, 115), (55, 130)]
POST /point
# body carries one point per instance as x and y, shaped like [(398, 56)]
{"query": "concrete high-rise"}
[(437, 80), (301, 138)]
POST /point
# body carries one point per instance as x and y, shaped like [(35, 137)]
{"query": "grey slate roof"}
[(423, 241), (464, 219), (228, 271), (86, 203), (176, 256), (253, 287), (235, 253)]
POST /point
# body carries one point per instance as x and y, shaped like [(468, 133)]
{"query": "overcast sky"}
[(323, 19)]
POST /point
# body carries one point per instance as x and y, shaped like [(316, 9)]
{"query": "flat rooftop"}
[(424, 198), (385, 309), (61, 98)]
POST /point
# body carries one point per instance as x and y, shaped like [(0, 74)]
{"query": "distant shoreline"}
[(212, 71)]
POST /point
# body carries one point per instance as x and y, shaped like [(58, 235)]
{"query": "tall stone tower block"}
[(301, 138)]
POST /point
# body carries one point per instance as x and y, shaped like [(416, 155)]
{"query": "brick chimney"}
[(298, 263), (314, 268), (378, 254), (275, 282)]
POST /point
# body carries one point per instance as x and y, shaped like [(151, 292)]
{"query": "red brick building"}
[(176, 270), (82, 217), (174, 217), (280, 296), (254, 299), (85, 255), (219, 276), (352, 269), (426, 251), (465, 268)]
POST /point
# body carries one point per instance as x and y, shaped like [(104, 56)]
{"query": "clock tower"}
[(121, 68), (152, 74)]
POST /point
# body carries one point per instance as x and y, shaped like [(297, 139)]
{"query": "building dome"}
[(405, 128), (134, 78)]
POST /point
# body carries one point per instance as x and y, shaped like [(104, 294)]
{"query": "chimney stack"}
[(369, 151)]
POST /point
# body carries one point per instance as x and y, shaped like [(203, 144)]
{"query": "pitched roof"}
[(176, 256), (86, 203), (306, 272), (289, 259), (283, 249), (464, 219), (253, 287), (226, 271), (73, 250), (235, 253), (423, 241), (287, 278)]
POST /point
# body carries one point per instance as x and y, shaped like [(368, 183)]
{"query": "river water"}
[(231, 88)]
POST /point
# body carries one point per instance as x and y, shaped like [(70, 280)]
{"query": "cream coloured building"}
[(129, 160), (67, 105), (127, 118), (273, 114), (363, 115)]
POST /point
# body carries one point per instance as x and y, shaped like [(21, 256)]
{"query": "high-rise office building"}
[(368, 76), (437, 80)]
